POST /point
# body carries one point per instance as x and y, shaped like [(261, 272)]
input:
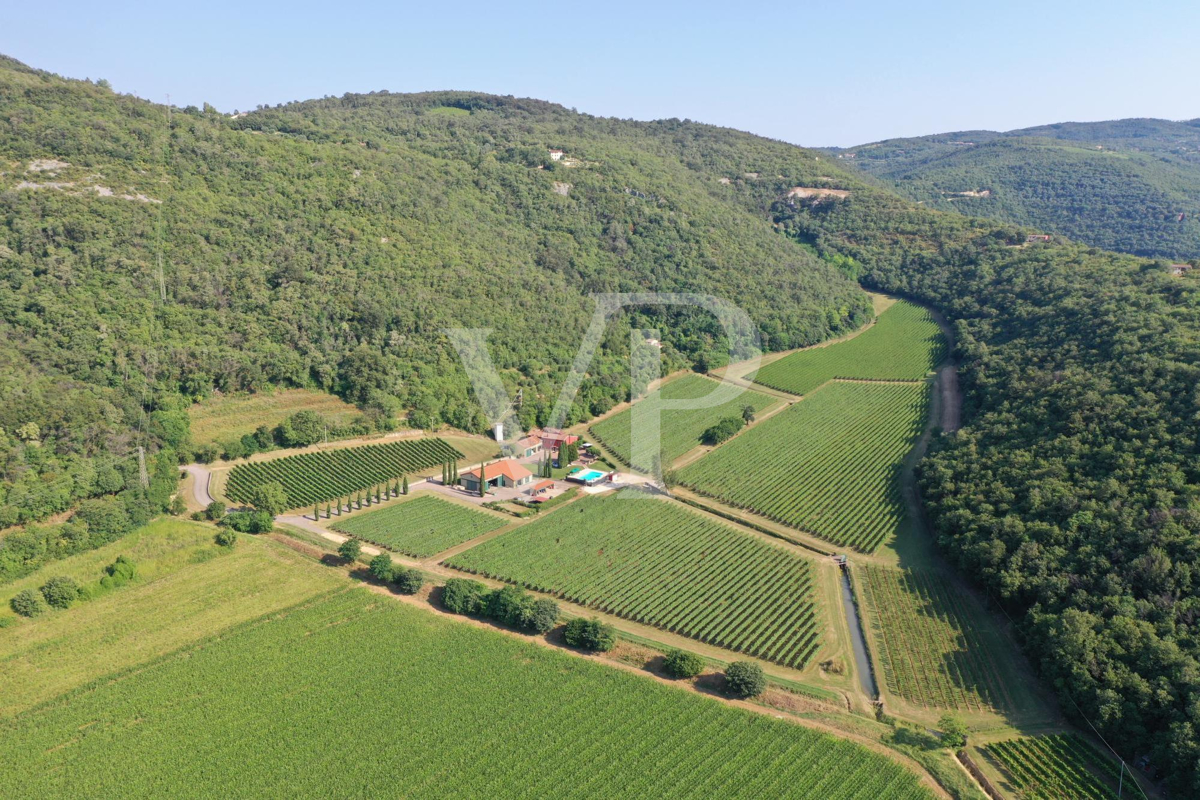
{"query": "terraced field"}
[(829, 464), (659, 563), (680, 430), (451, 711), (904, 344), (421, 527), (932, 649), (1058, 767), (328, 474)]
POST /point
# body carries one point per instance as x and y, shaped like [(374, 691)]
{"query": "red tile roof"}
[(509, 468)]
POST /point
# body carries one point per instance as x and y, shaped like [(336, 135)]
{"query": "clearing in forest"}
[(469, 712), (1057, 766), (421, 527), (904, 344), (680, 430), (932, 641), (325, 475), (661, 564), (829, 465), (232, 416)]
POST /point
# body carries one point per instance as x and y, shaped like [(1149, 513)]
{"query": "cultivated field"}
[(1059, 767), (359, 695), (323, 475), (232, 416), (659, 563), (829, 464), (680, 430), (903, 344), (186, 589), (421, 527), (931, 645)]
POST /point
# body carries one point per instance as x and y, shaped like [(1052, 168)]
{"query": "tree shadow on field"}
[(914, 738), (712, 683)]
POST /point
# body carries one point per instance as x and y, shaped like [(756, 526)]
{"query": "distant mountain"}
[(1131, 185)]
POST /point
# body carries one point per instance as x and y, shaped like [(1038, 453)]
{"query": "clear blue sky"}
[(811, 73)]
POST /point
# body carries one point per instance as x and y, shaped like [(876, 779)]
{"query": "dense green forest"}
[(1126, 185), (326, 243)]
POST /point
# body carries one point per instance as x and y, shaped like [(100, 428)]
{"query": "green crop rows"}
[(931, 648), (425, 707), (903, 344), (328, 474), (661, 564), (421, 527), (830, 464), (1055, 767), (679, 430)]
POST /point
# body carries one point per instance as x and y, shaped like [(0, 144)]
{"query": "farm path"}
[(201, 475)]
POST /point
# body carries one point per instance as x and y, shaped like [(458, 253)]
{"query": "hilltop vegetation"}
[(327, 245), (1127, 185)]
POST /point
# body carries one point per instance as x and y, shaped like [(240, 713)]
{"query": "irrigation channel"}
[(858, 641)]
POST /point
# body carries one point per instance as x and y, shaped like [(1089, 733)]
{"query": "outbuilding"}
[(507, 474)]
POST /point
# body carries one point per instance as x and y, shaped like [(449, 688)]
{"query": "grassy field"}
[(359, 695), (903, 344), (329, 474), (680, 430), (829, 465), (187, 589), (232, 416), (661, 564), (935, 648), (1057, 766), (420, 527)]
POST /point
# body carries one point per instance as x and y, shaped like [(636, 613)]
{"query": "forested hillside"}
[(1127, 185), (327, 244)]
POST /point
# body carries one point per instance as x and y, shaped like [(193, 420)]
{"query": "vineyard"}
[(658, 563), (931, 650), (328, 474), (1057, 766), (421, 527), (467, 712), (829, 464), (904, 344), (679, 430)]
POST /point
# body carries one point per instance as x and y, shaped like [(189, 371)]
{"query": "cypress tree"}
[(316, 512), (328, 514), (445, 474), (404, 486), (377, 493), (482, 482)]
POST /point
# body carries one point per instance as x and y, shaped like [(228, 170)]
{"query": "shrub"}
[(27, 603), (540, 616), (590, 634), (954, 734), (350, 549), (60, 592), (507, 605), (723, 430), (409, 581), (382, 568), (214, 510), (119, 573), (178, 507), (249, 521), (463, 596), (682, 664), (745, 679), (226, 537)]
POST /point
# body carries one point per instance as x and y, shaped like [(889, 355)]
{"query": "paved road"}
[(200, 478)]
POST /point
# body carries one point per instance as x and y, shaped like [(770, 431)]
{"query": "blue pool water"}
[(585, 475)]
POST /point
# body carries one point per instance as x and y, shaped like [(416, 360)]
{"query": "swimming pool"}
[(585, 475)]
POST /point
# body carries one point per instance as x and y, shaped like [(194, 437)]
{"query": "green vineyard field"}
[(1056, 767), (903, 344), (656, 562), (328, 474), (829, 465), (931, 647), (421, 527), (432, 708), (680, 430)]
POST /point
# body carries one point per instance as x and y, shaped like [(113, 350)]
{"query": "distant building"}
[(506, 474), (1037, 237), (1180, 269), (529, 446), (556, 155), (553, 438)]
